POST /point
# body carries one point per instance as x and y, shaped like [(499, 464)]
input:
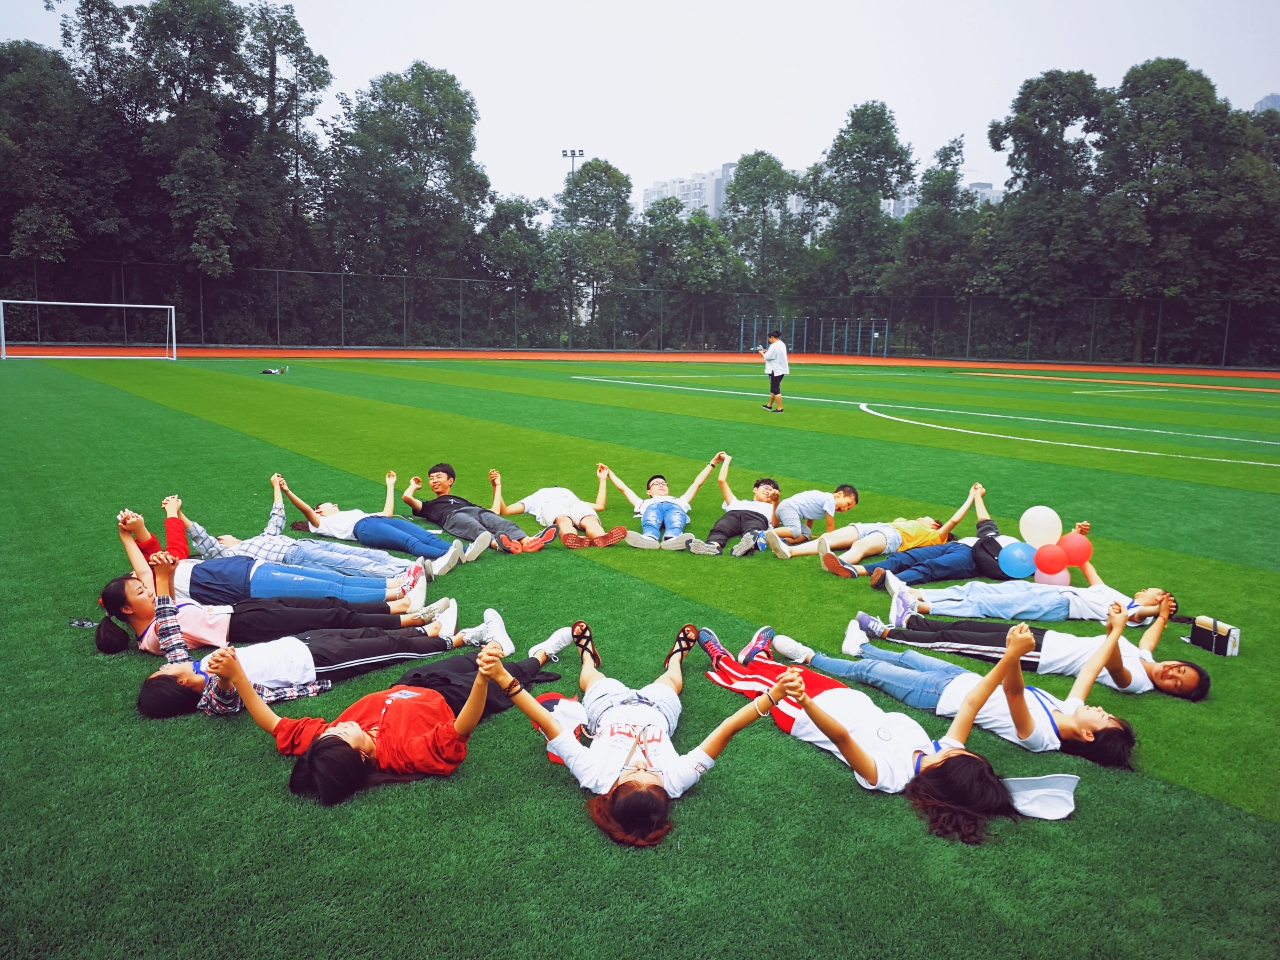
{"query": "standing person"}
[(560, 507), (798, 513), (775, 367), (662, 516), (462, 518), (742, 518), (384, 530)]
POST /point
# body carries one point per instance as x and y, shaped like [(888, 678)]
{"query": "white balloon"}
[(1040, 526), (1060, 579)]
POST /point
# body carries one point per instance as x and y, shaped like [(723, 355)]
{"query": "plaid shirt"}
[(213, 701), (270, 545)]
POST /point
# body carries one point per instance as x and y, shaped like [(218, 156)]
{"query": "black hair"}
[(951, 536), (656, 476), (632, 814), (1110, 747), (331, 770), (776, 333), (766, 480), (300, 525), (957, 796), (849, 490), (110, 637), (1201, 689), (163, 696), (444, 468)]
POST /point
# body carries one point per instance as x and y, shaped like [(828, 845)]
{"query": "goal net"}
[(69, 330)]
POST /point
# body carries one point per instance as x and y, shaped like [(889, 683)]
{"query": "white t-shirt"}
[(597, 767), (340, 525), (551, 502), (279, 663), (1066, 654), (755, 506), (775, 358), (812, 504), (890, 738), (995, 717), (643, 505), (1093, 603), (182, 581)]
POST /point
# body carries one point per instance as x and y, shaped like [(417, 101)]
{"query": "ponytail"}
[(110, 637)]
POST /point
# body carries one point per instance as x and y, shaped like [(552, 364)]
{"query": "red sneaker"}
[(615, 535), (575, 541), (508, 545), (541, 540)]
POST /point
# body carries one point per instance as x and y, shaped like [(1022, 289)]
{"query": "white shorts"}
[(892, 535), (609, 693), (575, 509)]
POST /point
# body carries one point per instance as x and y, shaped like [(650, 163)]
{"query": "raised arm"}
[(473, 709), (1019, 642), (229, 667), (499, 505), (304, 508), (1015, 692), (702, 476), (168, 630), (1151, 637), (141, 569), (389, 508), (958, 516), (979, 505), (740, 720), (723, 479), (835, 731), (275, 523), (602, 490), (1089, 672), (415, 484), (207, 546), (491, 666), (626, 491)]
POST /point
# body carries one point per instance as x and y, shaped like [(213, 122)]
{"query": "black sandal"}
[(686, 640), (582, 639)]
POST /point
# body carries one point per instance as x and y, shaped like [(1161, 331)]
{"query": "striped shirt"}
[(271, 545)]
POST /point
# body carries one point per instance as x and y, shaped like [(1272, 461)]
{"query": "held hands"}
[(489, 662), (1020, 641), (1117, 619), (719, 457), (1168, 606), (131, 522), (277, 481), (172, 506), (602, 471), (978, 490), (1082, 528), (224, 663), (391, 478), (284, 485), (415, 484), (163, 564), (495, 478), (790, 684)]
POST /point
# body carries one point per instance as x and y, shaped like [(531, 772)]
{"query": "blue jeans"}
[(346, 558), (276, 580), (656, 516), (944, 561), (397, 533), (1014, 600), (913, 678)]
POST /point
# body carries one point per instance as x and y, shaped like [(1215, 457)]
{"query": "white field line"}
[(1123, 390)]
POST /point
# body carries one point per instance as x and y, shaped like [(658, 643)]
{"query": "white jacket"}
[(775, 359)]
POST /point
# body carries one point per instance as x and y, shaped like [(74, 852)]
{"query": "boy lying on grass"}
[(744, 519), (560, 507), (662, 516)]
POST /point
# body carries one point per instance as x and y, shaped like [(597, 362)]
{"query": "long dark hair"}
[(1110, 747), (331, 770), (163, 696), (110, 637), (1201, 689), (958, 795), (632, 814)]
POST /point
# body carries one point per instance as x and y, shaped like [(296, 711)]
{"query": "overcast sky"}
[(662, 89)]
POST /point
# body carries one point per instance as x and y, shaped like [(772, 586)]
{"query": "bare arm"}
[(304, 508), (1089, 672), (1151, 637), (1090, 574), (473, 709), (491, 666), (835, 731), (739, 721), (602, 491), (702, 476), (957, 516), (499, 506), (415, 484), (723, 479), (262, 714), (141, 569), (979, 505), (389, 508), (626, 491), (1020, 642)]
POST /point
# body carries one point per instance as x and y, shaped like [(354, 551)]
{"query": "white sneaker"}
[(418, 594), (854, 638), (704, 549), (793, 650), (476, 636), (745, 546), (448, 618), (902, 607), (680, 541), (554, 644), (497, 630), (442, 565), (893, 584), (478, 546), (780, 550), (640, 541)]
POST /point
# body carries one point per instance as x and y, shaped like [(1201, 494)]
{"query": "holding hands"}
[(1022, 641), (391, 478), (130, 522), (172, 506), (163, 564), (602, 471), (224, 664), (1082, 528), (790, 684), (415, 484)]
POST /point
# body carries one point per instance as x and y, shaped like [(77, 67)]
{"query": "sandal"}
[(583, 640), (686, 640)]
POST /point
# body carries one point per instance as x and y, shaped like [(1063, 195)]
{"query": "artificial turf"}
[(127, 837)]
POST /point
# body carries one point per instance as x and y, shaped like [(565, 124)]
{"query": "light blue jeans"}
[(1013, 600), (277, 580), (347, 559), (913, 678), (666, 515)]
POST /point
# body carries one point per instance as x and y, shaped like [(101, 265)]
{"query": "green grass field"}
[(134, 838)]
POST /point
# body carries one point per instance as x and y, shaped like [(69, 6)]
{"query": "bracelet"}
[(769, 694), (512, 688), (756, 703)]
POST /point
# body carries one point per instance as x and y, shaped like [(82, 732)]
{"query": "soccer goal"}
[(72, 330)]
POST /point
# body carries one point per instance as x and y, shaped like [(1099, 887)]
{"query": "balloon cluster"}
[(1046, 552)]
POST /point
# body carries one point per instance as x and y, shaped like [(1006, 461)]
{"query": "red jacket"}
[(415, 730)]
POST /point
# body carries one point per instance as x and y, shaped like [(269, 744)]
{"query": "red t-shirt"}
[(415, 730)]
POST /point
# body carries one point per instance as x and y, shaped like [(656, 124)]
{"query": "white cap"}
[(1045, 798)]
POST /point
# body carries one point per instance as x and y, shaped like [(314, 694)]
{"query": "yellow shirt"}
[(916, 534)]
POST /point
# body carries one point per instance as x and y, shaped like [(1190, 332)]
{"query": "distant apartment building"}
[(1270, 102), (701, 191), (986, 192), (900, 207)]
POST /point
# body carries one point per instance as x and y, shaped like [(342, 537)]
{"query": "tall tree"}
[(758, 219)]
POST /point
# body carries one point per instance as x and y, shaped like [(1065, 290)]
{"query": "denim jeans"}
[(397, 533), (944, 561), (275, 580), (666, 514), (1014, 600), (913, 678), (346, 558)]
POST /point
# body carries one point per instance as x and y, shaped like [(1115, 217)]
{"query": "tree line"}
[(184, 133)]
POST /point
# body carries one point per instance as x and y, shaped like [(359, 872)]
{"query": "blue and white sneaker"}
[(869, 625), (760, 643), (709, 642), (762, 541)]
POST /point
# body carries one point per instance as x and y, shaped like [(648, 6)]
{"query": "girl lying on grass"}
[(384, 531), (955, 789), (631, 768)]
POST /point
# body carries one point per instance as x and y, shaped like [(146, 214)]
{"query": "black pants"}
[(342, 654), (453, 678), (980, 639), (253, 621), (467, 523), (775, 382), (734, 524)]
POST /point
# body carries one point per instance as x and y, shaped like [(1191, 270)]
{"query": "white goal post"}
[(170, 331)]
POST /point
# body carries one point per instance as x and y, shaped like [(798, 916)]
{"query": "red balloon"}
[(1077, 547), (1051, 558)]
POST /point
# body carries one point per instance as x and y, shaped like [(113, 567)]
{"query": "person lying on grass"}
[(462, 518), (1022, 600), (383, 531), (417, 728), (1034, 720), (953, 788), (631, 768), (561, 508), (662, 516), (274, 546), (743, 519), (131, 599), (1132, 669), (797, 514)]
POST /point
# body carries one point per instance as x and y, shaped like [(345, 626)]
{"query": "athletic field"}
[(178, 838)]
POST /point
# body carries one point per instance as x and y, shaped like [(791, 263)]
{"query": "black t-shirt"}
[(439, 510)]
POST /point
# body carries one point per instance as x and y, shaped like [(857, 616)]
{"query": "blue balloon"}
[(1018, 560)]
